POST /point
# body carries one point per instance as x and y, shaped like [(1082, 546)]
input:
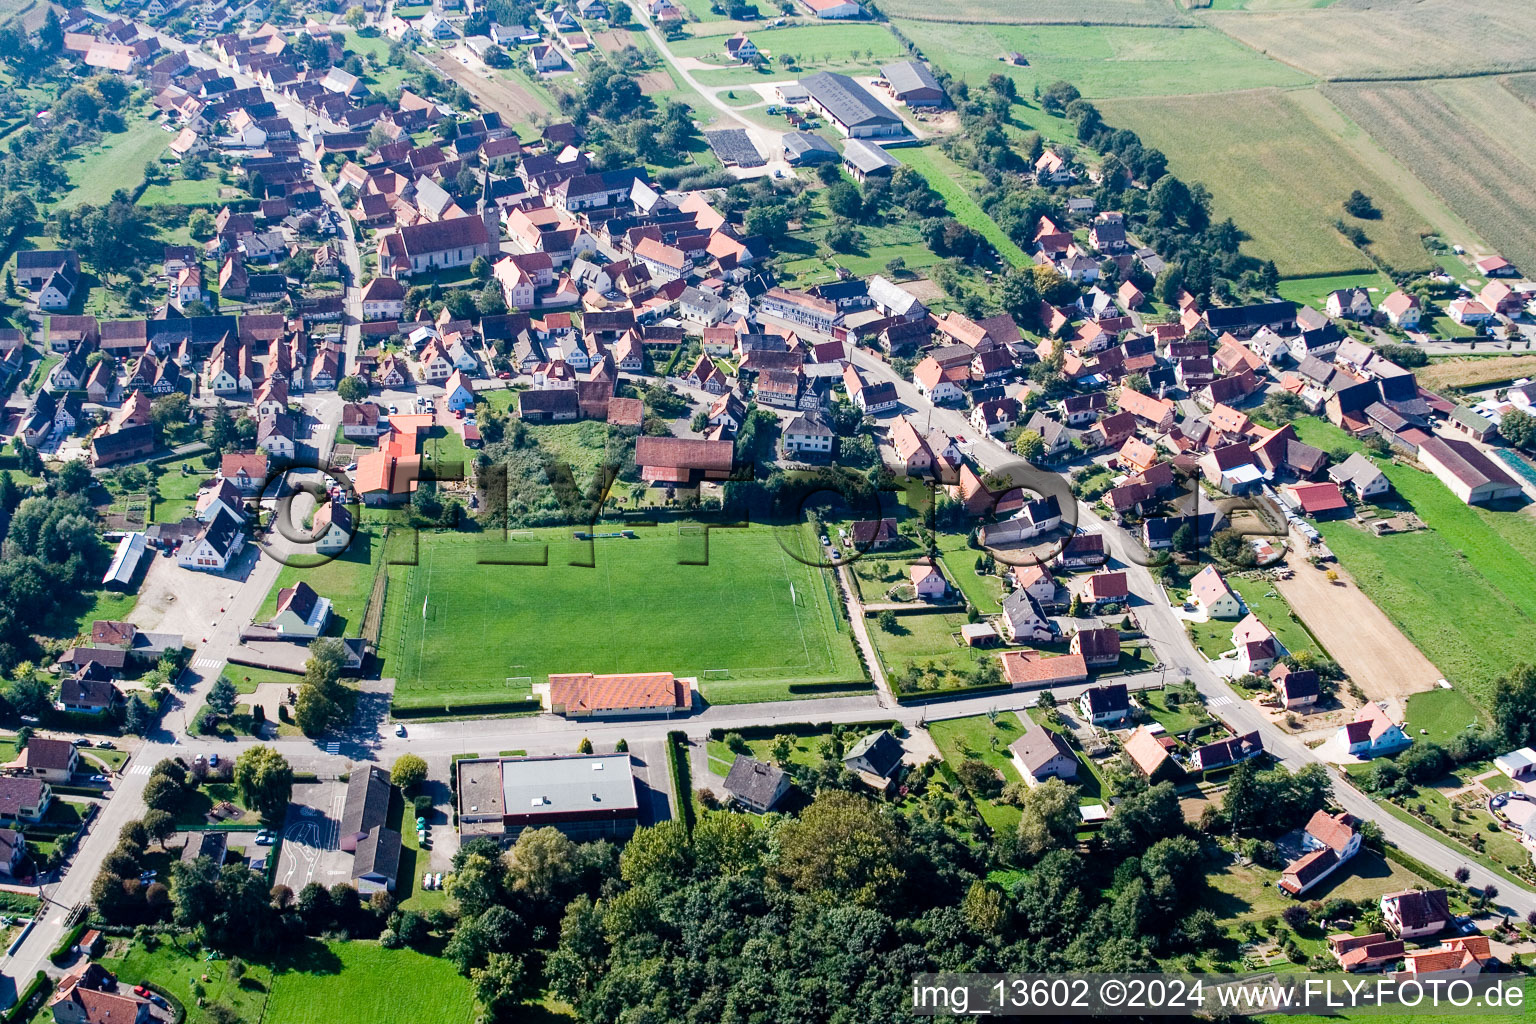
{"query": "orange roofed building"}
[(1029, 669), (388, 475), (582, 695)]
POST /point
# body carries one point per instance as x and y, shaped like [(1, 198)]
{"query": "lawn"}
[(1246, 892), (1438, 715), (1103, 61), (959, 739), (1464, 591), (580, 446), (927, 642), (945, 177), (1264, 601), (1393, 40), (184, 192), (347, 581), (1313, 291), (117, 164), (181, 974), (408, 889), (985, 593), (198, 802), (1474, 372), (1280, 174), (1177, 720), (880, 243), (1501, 851), (1214, 638), (805, 752), (460, 630), (177, 492), (246, 678), (1085, 12), (362, 981)]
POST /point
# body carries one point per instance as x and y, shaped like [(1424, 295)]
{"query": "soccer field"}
[(460, 632)]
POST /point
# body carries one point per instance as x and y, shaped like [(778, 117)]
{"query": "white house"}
[(1106, 706), (383, 299), (1328, 841), (807, 434), (1349, 304), (1362, 476), (300, 611), (939, 383), (1042, 754), (1373, 733), (1402, 310), (1023, 620), (928, 582), (333, 528), (1416, 913), (215, 546), (1211, 593)]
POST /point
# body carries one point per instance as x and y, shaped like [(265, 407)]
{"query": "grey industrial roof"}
[(866, 157), (575, 782), (907, 75), (847, 100), (802, 144)]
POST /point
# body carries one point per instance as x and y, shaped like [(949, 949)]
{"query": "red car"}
[(141, 991), (504, 375)]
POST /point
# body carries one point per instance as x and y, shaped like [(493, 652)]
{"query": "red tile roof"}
[(588, 692)]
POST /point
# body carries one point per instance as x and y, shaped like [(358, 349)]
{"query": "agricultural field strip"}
[(1362, 40), (1279, 175), (1490, 181), (1044, 12)]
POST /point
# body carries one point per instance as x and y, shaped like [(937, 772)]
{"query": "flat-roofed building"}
[(586, 796)]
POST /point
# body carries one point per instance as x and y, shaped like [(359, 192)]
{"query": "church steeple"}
[(490, 213)]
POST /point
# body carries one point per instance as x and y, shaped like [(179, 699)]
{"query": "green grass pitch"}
[(639, 608)]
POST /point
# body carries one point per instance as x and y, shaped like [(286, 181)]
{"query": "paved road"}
[(304, 122), (1170, 641)]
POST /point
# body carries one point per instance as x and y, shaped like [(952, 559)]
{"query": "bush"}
[(1295, 916)]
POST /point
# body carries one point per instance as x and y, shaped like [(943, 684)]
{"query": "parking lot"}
[(309, 852)]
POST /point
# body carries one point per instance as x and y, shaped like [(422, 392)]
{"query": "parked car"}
[(81, 741), (141, 991), (213, 759), (106, 745), (98, 778), (400, 730)]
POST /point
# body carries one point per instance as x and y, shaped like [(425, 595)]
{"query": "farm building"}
[(1471, 476), (865, 161), (833, 8), (807, 148), (912, 83), (849, 106)]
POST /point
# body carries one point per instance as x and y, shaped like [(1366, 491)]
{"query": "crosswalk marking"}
[(1216, 702), (208, 663), (333, 747), (140, 769)]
